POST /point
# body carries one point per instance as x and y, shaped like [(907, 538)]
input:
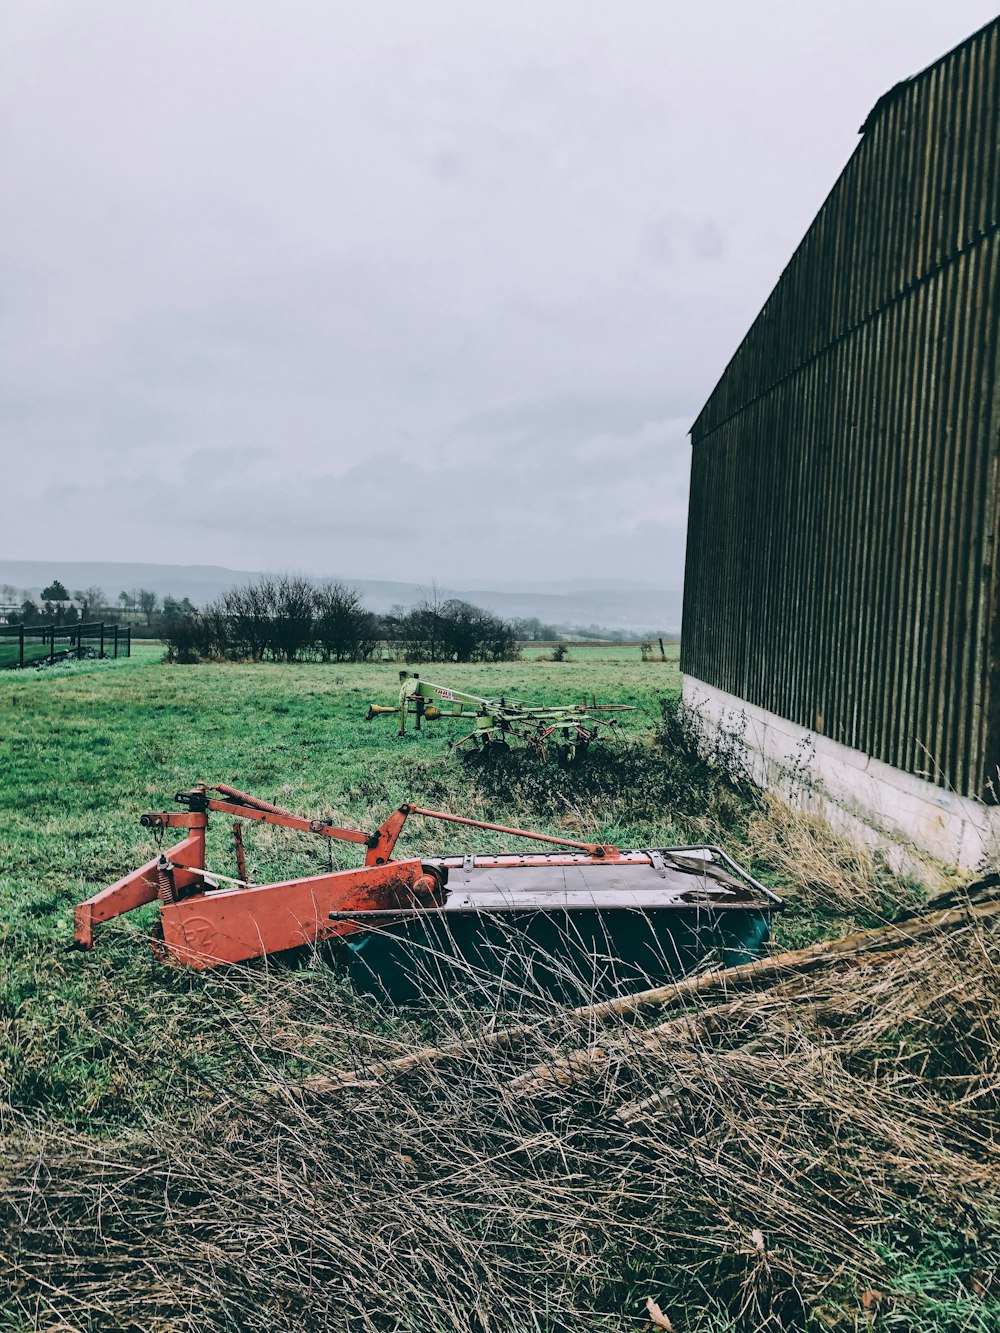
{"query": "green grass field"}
[(160, 1171), (88, 746), (10, 652)]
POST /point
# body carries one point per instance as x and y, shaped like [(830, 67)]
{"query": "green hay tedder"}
[(497, 723)]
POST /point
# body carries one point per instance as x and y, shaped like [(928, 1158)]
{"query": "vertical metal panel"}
[(841, 561)]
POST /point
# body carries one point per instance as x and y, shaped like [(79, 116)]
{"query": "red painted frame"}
[(203, 925)]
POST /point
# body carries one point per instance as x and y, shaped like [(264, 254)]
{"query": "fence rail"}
[(27, 645)]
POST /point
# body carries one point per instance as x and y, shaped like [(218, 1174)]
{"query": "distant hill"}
[(578, 603)]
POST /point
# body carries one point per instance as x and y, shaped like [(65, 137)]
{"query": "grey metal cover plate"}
[(613, 886)]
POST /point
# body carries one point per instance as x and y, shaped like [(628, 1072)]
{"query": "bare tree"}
[(147, 604), (453, 630), (461, 629), (246, 613), (292, 624), (93, 599), (340, 619), (370, 633), (287, 617)]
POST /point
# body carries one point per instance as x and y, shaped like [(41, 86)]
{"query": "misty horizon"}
[(573, 604)]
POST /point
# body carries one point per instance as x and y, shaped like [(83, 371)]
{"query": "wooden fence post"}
[(22, 645)]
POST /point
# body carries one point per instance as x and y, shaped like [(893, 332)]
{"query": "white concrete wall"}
[(923, 829)]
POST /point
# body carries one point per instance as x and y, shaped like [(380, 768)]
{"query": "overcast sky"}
[(407, 289)]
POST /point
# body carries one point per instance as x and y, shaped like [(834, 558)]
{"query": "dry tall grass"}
[(820, 1153), (816, 1152)]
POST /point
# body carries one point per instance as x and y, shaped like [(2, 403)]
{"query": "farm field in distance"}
[(189, 1184)]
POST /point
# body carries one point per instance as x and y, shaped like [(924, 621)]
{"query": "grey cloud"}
[(576, 416), (401, 291), (707, 241), (676, 239)]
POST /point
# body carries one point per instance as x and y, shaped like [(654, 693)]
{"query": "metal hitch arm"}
[(204, 924)]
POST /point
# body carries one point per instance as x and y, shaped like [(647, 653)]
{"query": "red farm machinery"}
[(621, 915)]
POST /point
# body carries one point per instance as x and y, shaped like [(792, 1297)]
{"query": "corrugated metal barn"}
[(842, 570)]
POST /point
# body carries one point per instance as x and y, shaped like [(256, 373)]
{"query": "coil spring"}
[(166, 890), (242, 798)]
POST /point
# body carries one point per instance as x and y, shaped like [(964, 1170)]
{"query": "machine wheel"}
[(563, 755)]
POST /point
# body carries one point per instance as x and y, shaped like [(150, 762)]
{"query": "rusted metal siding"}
[(841, 565)]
